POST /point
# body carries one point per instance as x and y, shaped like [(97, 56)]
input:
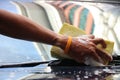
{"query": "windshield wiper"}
[(25, 64)]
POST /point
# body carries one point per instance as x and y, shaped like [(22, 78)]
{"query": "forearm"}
[(20, 27)]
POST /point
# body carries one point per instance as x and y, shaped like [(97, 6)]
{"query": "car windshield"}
[(104, 22)]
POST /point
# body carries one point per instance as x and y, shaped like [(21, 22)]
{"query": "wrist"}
[(61, 41)]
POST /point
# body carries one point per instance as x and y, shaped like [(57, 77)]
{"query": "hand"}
[(85, 46)]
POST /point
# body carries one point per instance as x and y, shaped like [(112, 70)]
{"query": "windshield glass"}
[(104, 23), (18, 51)]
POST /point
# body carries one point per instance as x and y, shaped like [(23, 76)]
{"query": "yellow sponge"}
[(70, 30)]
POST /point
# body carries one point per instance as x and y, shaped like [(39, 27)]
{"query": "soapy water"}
[(92, 62), (80, 75)]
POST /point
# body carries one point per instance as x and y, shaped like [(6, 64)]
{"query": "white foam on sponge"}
[(90, 61)]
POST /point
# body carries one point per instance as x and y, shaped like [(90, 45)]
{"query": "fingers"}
[(88, 36), (91, 36), (88, 48), (95, 56), (104, 55), (99, 41)]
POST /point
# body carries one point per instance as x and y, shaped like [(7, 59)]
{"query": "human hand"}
[(85, 46)]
